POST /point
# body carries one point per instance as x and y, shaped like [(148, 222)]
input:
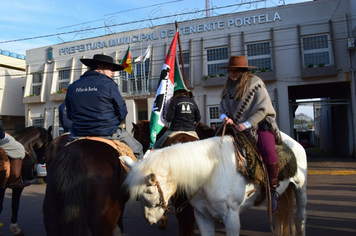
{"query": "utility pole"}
[(207, 8)]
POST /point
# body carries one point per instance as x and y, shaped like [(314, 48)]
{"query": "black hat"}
[(100, 58)]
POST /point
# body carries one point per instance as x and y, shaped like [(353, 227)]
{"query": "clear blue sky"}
[(34, 20)]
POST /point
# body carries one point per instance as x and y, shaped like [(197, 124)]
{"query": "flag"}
[(144, 56), (126, 61), (170, 80)]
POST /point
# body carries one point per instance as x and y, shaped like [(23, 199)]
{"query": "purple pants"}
[(266, 145)]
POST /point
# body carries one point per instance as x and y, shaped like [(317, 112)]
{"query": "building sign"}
[(186, 30)]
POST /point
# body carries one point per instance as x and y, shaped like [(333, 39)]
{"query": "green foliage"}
[(310, 66)]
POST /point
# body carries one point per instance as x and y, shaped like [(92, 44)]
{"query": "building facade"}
[(12, 82), (301, 51)]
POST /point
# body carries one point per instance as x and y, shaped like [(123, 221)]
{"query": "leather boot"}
[(15, 180), (272, 169)]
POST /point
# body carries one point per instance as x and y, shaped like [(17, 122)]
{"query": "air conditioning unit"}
[(351, 43)]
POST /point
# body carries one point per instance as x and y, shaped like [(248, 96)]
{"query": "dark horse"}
[(84, 194), (186, 216), (35, 138)]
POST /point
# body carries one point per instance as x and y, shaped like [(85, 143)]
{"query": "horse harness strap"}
[(180, 208), (240, 160), (33, 159)]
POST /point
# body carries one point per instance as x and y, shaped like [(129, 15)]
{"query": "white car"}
[(41, 173)]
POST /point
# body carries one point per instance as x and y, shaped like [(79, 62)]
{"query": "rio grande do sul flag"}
[(170, 77), (126, 61)]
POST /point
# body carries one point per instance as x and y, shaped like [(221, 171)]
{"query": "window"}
[(38, 122), (36, 83), (217, 57), (214, 117), (259, 55), (316, 51), (63, 78), (186, 63), (134, 83)]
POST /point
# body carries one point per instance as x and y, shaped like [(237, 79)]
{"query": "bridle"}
[(167, 208)]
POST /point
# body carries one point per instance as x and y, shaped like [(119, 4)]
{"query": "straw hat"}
[(237, 62)]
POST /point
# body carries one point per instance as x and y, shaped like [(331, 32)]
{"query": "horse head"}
[(153, 190)]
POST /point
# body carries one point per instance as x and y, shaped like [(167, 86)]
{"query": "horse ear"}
[(151, 179), (134, 127), (127, 161), (49, 129)]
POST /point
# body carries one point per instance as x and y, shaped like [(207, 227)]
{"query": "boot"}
[(15, 180), (272, 169)]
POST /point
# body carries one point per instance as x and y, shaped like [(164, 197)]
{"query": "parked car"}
[(41, 173), (304, 142)]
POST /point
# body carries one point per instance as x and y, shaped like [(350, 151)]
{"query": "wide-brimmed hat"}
[(100, 58), (237, 62)]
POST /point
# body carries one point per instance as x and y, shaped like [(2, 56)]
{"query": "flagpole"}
[(181, 58)]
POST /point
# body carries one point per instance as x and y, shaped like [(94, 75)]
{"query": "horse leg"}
[(301, 200), (232, 223), (15, 203), (205, 224), (2, 195)]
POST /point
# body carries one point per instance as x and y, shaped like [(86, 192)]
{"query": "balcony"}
[(57, 97), (32, 99), (325, 71)]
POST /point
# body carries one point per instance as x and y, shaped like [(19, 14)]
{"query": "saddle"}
[(250, 163), (121, 148)]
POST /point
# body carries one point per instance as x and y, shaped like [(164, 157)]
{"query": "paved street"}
[(331, 207)]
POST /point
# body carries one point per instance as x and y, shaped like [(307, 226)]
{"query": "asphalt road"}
[(331, 211)]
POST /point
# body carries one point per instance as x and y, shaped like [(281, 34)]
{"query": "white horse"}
[(206, 171)]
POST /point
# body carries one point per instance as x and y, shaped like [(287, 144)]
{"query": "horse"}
[(84, 194), (186, 215), (54, 147), (206, 171), (33, 137)]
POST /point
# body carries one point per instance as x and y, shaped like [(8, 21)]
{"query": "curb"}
[(331, 172)]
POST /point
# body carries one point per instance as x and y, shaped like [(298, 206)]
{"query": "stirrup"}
[(276, 196)]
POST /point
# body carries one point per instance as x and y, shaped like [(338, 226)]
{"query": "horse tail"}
[(284, 217), (72, 191)]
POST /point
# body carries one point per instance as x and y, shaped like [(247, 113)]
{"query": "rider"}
[(245, 101), (63, 119), (182, 113), (16, 152), (95, 105)]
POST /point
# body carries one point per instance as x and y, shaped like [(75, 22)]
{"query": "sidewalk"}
[(319, 164)]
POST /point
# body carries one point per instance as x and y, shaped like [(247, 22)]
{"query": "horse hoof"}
[(19, 234), (163, 223)]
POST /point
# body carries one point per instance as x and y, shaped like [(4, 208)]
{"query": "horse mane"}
[(187, 165)]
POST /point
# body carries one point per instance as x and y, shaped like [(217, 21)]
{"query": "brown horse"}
[(186, 216), (56, 145), (84, 194), (33, 137)]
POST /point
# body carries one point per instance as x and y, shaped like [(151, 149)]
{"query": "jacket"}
[(95, 105), (63, 119), (183, 112)]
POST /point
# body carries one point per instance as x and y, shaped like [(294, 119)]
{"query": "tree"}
[(302, 120)]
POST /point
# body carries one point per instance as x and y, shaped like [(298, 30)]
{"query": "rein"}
[(164, 205), (268, 192)]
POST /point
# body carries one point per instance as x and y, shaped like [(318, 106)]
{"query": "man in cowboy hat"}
[(95, 105), (245, 102)]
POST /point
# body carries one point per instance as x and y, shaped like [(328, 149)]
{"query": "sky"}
[(29, 24)]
